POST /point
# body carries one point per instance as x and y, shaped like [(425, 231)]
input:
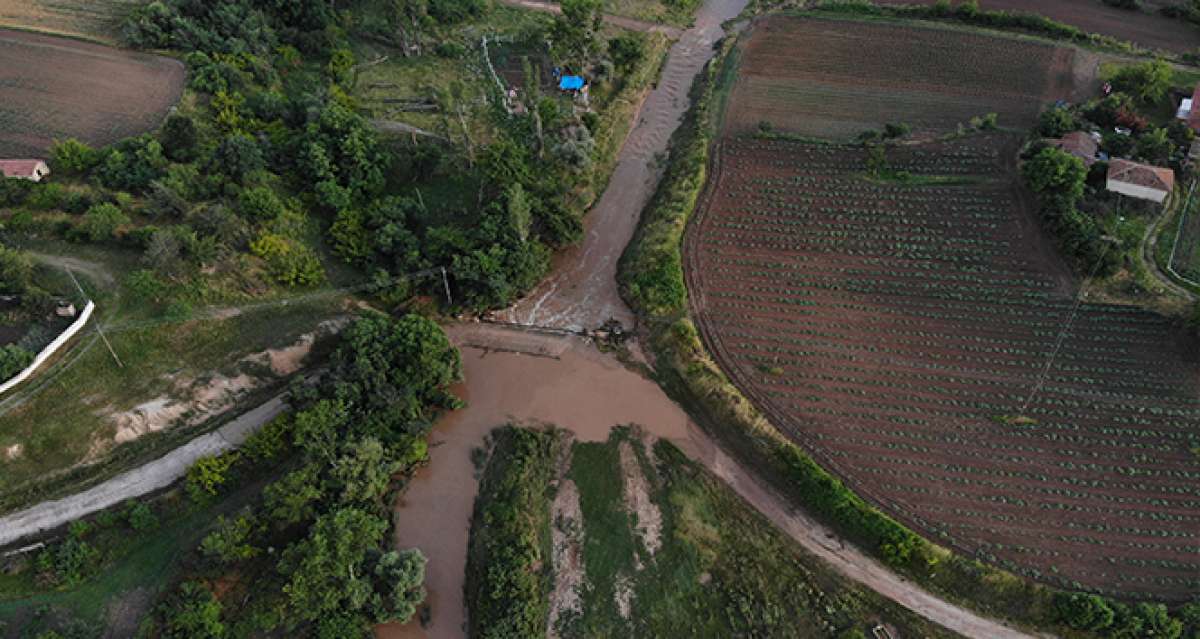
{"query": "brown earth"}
[(892, 330), (834, 78), (53, 88), (1144, 28)]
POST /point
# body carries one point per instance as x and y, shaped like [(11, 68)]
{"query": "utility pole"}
[(446, 284), (99, 330)]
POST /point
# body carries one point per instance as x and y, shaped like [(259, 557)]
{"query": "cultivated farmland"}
[(54, 88), (896, 330), (832, 78), (1144, 27), (915, 331)]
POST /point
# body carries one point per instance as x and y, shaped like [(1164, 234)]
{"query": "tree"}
[(208, 474), (1056, 174), (192, 612), (102, 221), (179, 137), (325, 572), (402, 365), (1154, 146), (363, 472), (1147, 81), (288, 261), (896, 130), (72, 156), (16, 271), (877, 163), (1056, 122), (1156, 622), (520, 212), (238, 156), (626, 51), (399, 579), (294, 498), (13, 359), (164, 252), (260, 203), (231, 541), (1082, 611), (575, 28)]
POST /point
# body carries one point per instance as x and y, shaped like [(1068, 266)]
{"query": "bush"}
[(287, 261), (206, 477), (140, 516), (102, 221), (13, 359), (192, 612), (179, 137), (72, 156)]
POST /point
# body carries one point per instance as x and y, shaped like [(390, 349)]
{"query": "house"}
[(1081, 144), (1141, 181), (32, 170), (1193, 115)]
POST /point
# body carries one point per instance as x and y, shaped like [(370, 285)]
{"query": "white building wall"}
[(1134, 190)]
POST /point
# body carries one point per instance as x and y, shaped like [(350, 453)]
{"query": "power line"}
[(1062, 334)]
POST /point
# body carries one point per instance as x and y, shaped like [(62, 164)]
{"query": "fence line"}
[(1183, 214), (53, 347)]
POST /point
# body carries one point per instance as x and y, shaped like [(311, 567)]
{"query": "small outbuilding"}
[(1080, 144), (32, 170), (1141, 181), (1193, 110)]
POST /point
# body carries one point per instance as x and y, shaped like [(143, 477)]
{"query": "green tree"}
[(1156, 622), (1082, 611), (260, 203), (404, 366), (575, 28), (231, 541), (324, 571), (1147, 81), (1154, 146), (1056, 174), (294, 498), (238, 156), (520, 211), (363, 472), (72, 156), (102, 221), (205, 477), (192, 612), (1057, 122), (16, 271), (399, 579), (179, 137)]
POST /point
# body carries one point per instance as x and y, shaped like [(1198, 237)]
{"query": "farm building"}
[(1081, 144), (33, 170), (1189, 109), (1141, 181)]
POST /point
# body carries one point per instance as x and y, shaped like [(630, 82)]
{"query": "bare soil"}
[(54, 88), (566, 539), (1145, 28), (638, 502), (851, 76)]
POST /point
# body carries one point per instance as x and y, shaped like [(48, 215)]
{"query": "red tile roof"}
[(1154, 177), (1079, 144), (18, 168)]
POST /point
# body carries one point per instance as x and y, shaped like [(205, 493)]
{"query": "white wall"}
[(52, 348), (1133, 190)]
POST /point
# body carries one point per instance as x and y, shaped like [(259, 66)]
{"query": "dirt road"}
[(568, 383), (582, 292), (144, 479)]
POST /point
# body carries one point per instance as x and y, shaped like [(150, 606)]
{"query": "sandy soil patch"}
[(566, 539), (623, 596), (13, 452), (637, 500)]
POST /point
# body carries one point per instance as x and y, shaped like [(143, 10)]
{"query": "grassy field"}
[(667, 550), (185, 351), (98, 20)]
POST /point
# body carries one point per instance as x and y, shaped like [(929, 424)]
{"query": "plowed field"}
[(836, 79), (923, 342), (54, 88), (1145, 28)]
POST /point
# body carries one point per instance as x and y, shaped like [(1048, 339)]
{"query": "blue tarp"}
[(570, 83)]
